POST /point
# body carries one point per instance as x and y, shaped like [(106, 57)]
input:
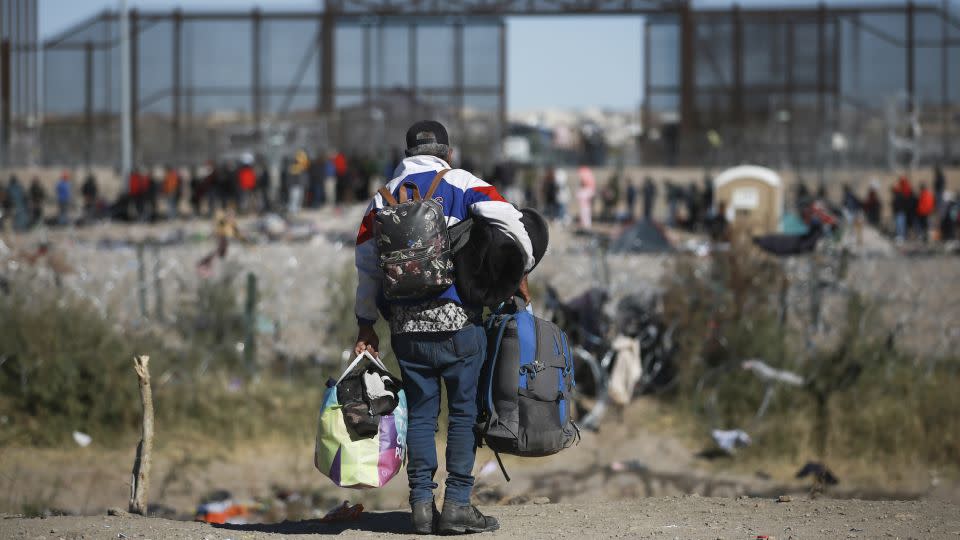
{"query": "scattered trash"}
[(488, 468), (628, 466), (731, 439), (219, 508), (344, 512), (769, 374), (627, 371), (82, 439), (789, 244), (784, 499), (820, 473)]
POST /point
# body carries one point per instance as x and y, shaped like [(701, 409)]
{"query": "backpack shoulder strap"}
[(436, 182), (387, 196), (488, 402)]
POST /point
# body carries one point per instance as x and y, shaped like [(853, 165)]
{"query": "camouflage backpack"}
[(414, 244)]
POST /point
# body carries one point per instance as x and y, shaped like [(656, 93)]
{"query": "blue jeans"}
[(900, 219), (426, 359)]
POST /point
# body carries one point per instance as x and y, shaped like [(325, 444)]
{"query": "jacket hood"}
[(418, 164)]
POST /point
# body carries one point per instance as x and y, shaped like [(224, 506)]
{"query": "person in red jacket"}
[(137, 189), (925, 207), (247, 180)]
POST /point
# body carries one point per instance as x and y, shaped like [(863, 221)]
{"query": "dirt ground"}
[(643, 452), (668, 517)]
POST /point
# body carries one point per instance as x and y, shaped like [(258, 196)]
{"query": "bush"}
[(64, 367), (861, 399)]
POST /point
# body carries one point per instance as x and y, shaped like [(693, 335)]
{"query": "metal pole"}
[(23, 61), (458, 76), (821, 66), (367, 60), (910, 60), (4, 100), (788, 93), (412, 67), (141, 281), (688, 89), (177, 82), (738, 115), (256, 19), (944, 83), (250, 319), (126, 133), (34, 56), (157, 284), (837, 47), (328, 57), (88, 100), (135, 84), (645, 114), (15, 38), (503, 84)]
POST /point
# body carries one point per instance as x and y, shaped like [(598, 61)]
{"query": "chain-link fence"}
[(206, 85), (831, 85)]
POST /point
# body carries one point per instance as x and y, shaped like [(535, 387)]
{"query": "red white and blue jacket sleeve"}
[(369, 275)]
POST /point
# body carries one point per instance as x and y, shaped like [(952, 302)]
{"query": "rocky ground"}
[(598, 484), (688, 517), (300, 275)]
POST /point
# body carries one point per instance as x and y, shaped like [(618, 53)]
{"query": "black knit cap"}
[(426, 134)]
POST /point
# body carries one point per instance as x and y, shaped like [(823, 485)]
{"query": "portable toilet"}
[(752, 198)]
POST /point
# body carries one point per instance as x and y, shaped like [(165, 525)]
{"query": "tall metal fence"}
[(861, 85), (208, 85), (19, 107), (811, 84)]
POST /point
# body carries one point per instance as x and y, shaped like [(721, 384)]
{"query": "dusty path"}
[(687, 517)]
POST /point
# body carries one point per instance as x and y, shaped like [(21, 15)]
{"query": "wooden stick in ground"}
[(141, 466)]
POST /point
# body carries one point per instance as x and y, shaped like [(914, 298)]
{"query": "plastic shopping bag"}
[(352, 460)]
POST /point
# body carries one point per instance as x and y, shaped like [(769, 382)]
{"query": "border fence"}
[(205, 85), (835, 84), (868, 84)]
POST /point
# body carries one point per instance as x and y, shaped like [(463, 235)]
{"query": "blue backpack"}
[(526, 386)]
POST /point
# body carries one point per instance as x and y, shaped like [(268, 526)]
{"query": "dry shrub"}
[(64, 367), (861, 399)]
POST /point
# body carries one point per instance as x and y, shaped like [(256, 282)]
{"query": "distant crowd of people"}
[(25, 206), (917, 213), (247, 185), (689, 206)]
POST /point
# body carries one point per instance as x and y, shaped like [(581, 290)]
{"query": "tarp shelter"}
[(642, 237), (752, 197)]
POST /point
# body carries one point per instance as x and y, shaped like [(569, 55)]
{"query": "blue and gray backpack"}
[(526, 386)]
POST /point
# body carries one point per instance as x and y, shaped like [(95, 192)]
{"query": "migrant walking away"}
[(410, 273)]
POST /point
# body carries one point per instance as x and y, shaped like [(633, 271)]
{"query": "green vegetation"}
[(862, 399), (65, 367)]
